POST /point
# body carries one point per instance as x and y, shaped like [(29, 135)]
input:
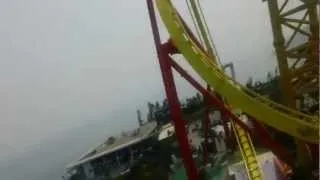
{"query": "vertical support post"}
[(260, 132), (288, 93), (279, 40), (314, 29), (174, 105)]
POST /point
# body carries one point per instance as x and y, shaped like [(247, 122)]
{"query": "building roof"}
[(166, 131), (115, 143)]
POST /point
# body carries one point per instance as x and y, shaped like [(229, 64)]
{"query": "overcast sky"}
[(65, 64)]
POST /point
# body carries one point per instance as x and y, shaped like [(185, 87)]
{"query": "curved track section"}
[(294, 123)]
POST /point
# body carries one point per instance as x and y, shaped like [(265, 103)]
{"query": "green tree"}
[(165, 104), (199, 98), (150, 115), (249, 83), (140, 121), (270, 87), (157, 106)]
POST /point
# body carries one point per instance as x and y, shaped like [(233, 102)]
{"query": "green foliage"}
[(192, 104), (269, 87), (140, 121), (151, 110), (157, 106), (160, 111)]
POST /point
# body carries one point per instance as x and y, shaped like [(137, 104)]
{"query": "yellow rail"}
[(296, 124), (248, 153)]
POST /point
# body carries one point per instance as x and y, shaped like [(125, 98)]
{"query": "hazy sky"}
[(65, 64)]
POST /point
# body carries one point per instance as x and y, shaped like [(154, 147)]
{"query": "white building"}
[(115, 156), (270, 171)]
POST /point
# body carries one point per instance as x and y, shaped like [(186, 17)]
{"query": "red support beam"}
[(173, 101), (258, 131), (166, 62), (270, 143), (214, 100), (206, 120)]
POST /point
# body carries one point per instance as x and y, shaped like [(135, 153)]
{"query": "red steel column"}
[(258, 131), (173, 101)]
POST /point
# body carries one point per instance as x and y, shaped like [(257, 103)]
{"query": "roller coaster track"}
[(294, 123), (248, 152), (243, 138)]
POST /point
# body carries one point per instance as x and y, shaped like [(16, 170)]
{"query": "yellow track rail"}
[(248, 153), (296, 124)]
